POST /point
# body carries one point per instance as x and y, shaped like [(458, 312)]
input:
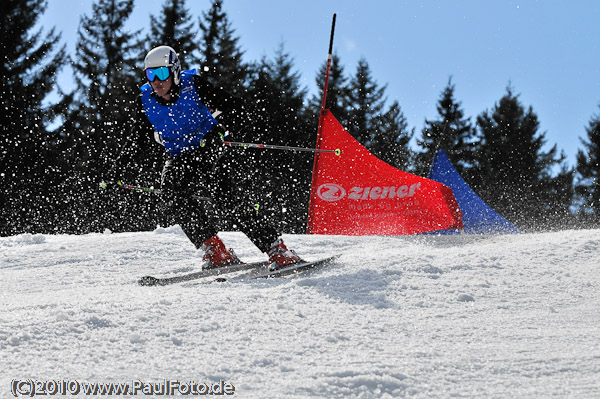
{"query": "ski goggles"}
[(161, 73)]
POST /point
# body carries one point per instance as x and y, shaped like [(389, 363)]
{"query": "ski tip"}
[(148, 281)]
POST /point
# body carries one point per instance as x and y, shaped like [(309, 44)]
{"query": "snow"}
[(419, 316)]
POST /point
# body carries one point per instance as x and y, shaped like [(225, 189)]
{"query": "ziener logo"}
[(331, 192)]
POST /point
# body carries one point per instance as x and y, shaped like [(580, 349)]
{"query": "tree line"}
[(53, 155)]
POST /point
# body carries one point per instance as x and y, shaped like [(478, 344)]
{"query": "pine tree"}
[(275, 89), (391, 143), (220, 53), (560, 195), (108, 77), (515, 174), (30, 62), (451, 132), (359, 108), (174, 27), (279, 90), (588, 169), (337, 91), (365, 103)]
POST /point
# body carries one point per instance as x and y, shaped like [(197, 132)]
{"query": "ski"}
[(154, 281), (264, 272)]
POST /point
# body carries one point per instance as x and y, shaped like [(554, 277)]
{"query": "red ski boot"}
[(216, 255), (280, 256)]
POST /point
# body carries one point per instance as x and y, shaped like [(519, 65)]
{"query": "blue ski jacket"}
[(182, 125)]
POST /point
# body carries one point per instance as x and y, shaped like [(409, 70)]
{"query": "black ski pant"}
[(209, 187)]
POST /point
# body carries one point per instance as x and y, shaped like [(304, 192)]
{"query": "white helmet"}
[(164, 56)]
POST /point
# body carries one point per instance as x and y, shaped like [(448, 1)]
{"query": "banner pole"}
[(329, 58), (311, 210)]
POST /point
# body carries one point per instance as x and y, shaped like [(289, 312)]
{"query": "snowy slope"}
[(431, 317)]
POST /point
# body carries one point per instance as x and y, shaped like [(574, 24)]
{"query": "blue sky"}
[(549, 51)]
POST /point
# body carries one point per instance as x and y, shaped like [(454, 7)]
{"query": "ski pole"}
[(137, 188), (337, 151), (104, 185), (158, 191), (150, 190)]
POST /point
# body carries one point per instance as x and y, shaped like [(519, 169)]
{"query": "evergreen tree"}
[(337, 91), (451, 132), (588, 169), (174, 27), (275, 89), (365, 103), (514, 172), (560, 195), (220, 53), (30, 62), (359, 108), (391, 143), (108, 76)]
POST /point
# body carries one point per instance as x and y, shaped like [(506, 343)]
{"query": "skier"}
[(179, 108)]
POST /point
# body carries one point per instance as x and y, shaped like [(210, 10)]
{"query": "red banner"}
[(355, 193)]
